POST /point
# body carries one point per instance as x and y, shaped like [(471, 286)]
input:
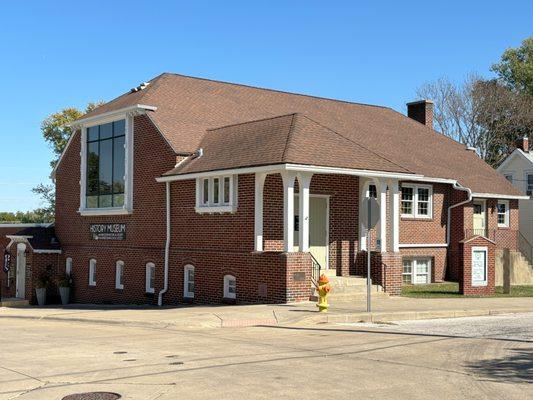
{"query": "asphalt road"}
[(470, 358)]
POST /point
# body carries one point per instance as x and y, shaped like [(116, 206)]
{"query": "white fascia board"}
[(24, 225), (499, 196), (23, 237), (97, 119), (422, 245), (291, 167), (111, 114)]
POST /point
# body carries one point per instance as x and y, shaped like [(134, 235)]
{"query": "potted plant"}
[(40, 288), (64, 282)]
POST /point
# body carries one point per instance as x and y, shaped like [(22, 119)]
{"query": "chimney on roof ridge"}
[(523, 144), (421, 111)]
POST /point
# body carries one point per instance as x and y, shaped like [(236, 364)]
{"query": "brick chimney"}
[(421, 111), (523, 144)]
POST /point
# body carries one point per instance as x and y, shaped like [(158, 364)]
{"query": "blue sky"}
[(56, 54)]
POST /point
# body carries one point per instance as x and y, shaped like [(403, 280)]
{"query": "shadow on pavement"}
[(515, 368)]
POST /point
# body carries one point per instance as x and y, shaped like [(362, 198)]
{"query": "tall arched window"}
[(188, 281), (119, 275), (92, 272), (68, 266), (150, 277), (230, 287)]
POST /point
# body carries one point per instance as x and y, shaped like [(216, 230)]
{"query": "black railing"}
[(315, 270), (525, 247)]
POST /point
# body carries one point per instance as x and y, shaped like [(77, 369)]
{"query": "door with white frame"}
[(480, 218), (21, 271), (318, 228)]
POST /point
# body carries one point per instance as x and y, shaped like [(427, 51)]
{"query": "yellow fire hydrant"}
[(323, 289)]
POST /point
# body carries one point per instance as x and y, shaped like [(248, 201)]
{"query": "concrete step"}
[(350, 287), (14, 303)]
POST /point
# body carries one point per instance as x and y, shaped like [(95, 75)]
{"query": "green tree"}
[(515, 68)]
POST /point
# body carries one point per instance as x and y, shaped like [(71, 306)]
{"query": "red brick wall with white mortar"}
[(465, 281)]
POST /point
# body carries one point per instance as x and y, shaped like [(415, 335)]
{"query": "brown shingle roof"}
[(187, 107), (292, 138)]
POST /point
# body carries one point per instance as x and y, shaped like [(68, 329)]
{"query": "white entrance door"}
[(318, 228), (480, 217), (21, 271)]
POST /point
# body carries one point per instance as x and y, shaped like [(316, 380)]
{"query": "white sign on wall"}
[(479, 266)]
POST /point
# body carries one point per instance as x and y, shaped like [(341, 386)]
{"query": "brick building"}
[(193, 190)]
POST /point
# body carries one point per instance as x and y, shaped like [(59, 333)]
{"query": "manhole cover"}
[(93, 396)]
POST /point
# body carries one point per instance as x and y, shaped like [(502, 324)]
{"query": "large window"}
[(417, 201), (216, 194), (106, 163), (416, 271), (188, 281), (503, 214)]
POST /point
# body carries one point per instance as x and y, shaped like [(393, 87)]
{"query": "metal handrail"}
[(315, 270), (525, 247)]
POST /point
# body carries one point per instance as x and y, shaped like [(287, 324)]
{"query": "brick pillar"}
[(298, 276), (391, 269), (467, 285)]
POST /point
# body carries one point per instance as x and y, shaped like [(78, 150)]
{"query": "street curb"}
[(410, 315)]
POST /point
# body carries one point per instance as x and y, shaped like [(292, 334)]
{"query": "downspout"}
[(456, 186), (167, 247)]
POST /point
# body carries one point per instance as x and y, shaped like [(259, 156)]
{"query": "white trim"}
[(128, 169), (258, 211), (68, 266), (414, 259), (96, 120), (103, 211), (278, 168), (304, 183), (44, 251), (149, 276), (22, 237), (220, 206), (25, 225), (227, 294), (288, 210), (118, 264), (186, 281), (395, 198), (507, 218), (422, 245), (137, 109), (499, 196), (486, 251), (415, 214)]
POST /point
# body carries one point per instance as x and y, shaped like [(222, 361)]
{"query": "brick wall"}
[(465, 281)]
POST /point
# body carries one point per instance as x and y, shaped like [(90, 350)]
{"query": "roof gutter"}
[(500, 196)]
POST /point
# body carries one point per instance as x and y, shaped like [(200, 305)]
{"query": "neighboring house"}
[(518, 169), (188, 189)]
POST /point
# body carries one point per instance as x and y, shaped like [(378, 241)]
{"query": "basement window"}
[(416, 271), (217, 194)]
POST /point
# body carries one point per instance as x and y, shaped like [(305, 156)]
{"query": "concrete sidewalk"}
[(196, 317)]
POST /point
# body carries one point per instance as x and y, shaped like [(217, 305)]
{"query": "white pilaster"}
[(382, 195), (288, 210), (362, 231), (258, 216), (304, 182), (394, 197)]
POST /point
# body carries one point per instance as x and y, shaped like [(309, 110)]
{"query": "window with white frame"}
[(150, 277), (503, 214), (188, 281), (230, 287), (529, 184), (119, 274), (416, 271), (417, 201), (216, 194), (68, 266), (92, 272)]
